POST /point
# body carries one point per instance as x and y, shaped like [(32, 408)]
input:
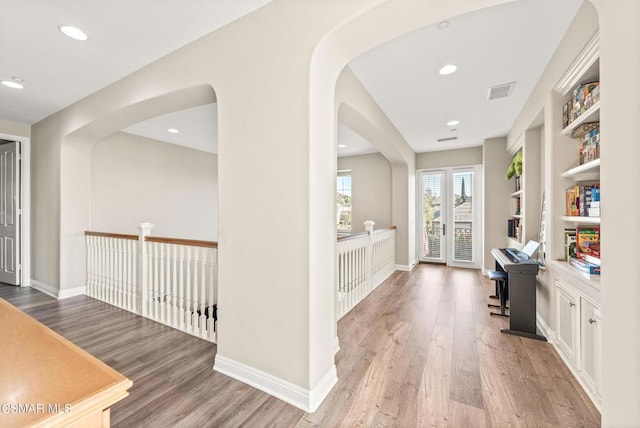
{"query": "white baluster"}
[(181, 301)]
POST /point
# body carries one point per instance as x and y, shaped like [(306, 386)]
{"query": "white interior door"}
[(10, 213)]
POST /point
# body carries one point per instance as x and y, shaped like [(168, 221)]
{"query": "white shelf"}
[(516, 194), (517, 216), (591, 115), (581, 220), (592, 168)]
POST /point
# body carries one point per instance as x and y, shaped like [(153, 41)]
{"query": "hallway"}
[(421, 350)]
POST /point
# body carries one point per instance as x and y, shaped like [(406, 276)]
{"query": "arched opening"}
[(118, 182)]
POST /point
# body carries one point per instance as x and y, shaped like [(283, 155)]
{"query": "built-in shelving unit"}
[(577, 319), (526, 199)]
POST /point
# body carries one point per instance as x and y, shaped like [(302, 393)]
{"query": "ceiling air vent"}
[(441, 140), (500, 91)]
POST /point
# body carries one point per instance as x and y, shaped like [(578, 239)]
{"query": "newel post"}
[(143, 268), (368, 226)]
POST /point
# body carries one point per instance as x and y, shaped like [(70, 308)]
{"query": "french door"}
[(449, 226)]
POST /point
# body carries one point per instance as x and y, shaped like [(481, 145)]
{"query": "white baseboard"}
[(545, 329), (54, 292), (304, 399), (72, 292), (45, 288), (407, 268), (336, 346)]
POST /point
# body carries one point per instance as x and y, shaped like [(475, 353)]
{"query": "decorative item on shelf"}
[(584, 129), (517, 183), (516, 166)]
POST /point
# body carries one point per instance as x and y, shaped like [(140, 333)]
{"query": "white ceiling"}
[(502, 44), (198, 128), (124, 36), (508, 43)]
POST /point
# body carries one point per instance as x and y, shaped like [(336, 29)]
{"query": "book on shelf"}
[(590, 143), (583, 97), (569, 243), (588, 244), (585, 267), (514, 229), (583, 201), (515, 206)]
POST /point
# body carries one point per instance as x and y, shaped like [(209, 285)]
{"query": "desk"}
[(522, 295), (54, 382)]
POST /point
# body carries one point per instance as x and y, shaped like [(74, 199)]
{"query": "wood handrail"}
[(179, 241), (111, 235), (354, 235)]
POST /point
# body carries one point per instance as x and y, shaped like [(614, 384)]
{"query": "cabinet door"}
[(567, 319), (590, 343)]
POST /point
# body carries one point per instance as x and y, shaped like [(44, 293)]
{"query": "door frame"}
[(25, 209), (478, 189)]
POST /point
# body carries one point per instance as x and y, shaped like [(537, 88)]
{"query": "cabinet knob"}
[(571, 304), (591, 321)]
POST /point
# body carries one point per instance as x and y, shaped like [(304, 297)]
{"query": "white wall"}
[(14, 128), (136, 179), (496, 197), (449, 158), (371, 189)]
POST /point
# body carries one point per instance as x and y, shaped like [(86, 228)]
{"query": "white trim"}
[(286, 391), (336, 346), (72, 292), (406, 268), (545, 329), (322, 389), (55, 293), (25, 216), (587, 58), (45, 288)]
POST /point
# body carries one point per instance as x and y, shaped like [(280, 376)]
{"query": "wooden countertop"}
[(40, 369)]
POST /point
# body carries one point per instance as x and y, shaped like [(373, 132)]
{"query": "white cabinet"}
[(567, 319), (578, 334), (590, 327)]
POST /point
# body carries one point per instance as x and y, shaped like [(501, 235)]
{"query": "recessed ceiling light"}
[(442, 25), (73, 32), (12, 84), (448, 69), (453, 122), (17, 79), (173, 130), (342, 146)]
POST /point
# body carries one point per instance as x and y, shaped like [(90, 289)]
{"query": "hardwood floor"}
[(419, 351)]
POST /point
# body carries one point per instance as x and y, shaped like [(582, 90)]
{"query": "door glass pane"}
[(463, 216), (432, 216)]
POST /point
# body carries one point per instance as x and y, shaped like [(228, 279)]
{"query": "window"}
[(343, 201)]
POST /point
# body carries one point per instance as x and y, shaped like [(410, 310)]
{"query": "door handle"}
[(571, 304), (591, 321), (444, 229)]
